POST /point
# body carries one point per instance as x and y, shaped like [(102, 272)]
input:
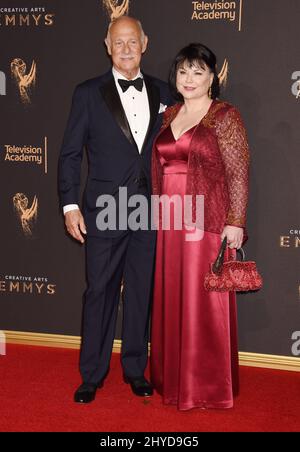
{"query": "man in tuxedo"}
[(115, 117)]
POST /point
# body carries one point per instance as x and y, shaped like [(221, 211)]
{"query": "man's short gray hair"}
[(124, 17)]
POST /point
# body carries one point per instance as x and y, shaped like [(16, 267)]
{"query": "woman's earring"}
[(210, 92)]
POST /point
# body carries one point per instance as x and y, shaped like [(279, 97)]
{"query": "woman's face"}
[(193, 81)]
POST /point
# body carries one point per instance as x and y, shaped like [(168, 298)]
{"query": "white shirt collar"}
[(117, 75)]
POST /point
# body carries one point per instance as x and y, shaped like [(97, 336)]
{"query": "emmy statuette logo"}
[(115, 8), (25, 82), (223, 74), (27, 215)]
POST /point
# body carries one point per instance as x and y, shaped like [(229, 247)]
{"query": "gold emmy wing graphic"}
[(223, 75), (26, 215), (24, 81), (116, 10)]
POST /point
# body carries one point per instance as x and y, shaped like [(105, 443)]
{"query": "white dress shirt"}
[(136, 107)]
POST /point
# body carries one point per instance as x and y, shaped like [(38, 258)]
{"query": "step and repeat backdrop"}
[(46, 48)]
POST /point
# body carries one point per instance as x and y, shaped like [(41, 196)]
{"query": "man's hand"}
[(234, 236), (75, 224)]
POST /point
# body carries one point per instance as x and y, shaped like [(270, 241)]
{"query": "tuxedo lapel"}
[(112, 99), (154, 102)]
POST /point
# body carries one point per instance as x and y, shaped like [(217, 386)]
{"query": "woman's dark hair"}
[(194, 54)]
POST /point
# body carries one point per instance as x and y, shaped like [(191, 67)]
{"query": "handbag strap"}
[(218, 264)]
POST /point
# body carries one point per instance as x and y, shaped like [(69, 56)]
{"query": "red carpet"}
[(37, 387)]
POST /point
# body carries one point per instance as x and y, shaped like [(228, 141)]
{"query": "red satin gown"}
[(194, 354)]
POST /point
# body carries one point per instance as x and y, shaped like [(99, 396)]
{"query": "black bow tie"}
[(138, 83)]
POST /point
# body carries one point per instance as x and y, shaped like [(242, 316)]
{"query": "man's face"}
[(125, 45)]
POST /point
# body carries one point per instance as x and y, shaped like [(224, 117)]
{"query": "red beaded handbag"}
[(232, 275)]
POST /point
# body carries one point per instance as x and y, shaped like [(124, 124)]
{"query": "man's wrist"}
[(70, 207)]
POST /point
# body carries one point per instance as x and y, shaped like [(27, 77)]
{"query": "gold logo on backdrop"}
[(116, 10), (223, 74), (19, 284), (24, 81), (222, 10), (25, 17), (29, 154), (291, 240), (27, 216)]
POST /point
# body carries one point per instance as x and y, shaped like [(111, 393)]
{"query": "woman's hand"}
[(234, 236)]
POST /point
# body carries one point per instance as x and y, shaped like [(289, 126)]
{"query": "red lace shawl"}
[(218, 166)]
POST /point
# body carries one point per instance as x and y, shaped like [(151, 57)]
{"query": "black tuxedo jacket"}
[(97, 121)]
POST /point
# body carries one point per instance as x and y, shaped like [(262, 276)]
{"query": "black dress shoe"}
[(139, 385), (86, 393)]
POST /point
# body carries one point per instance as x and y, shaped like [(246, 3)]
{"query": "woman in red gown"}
[(201, 150)]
